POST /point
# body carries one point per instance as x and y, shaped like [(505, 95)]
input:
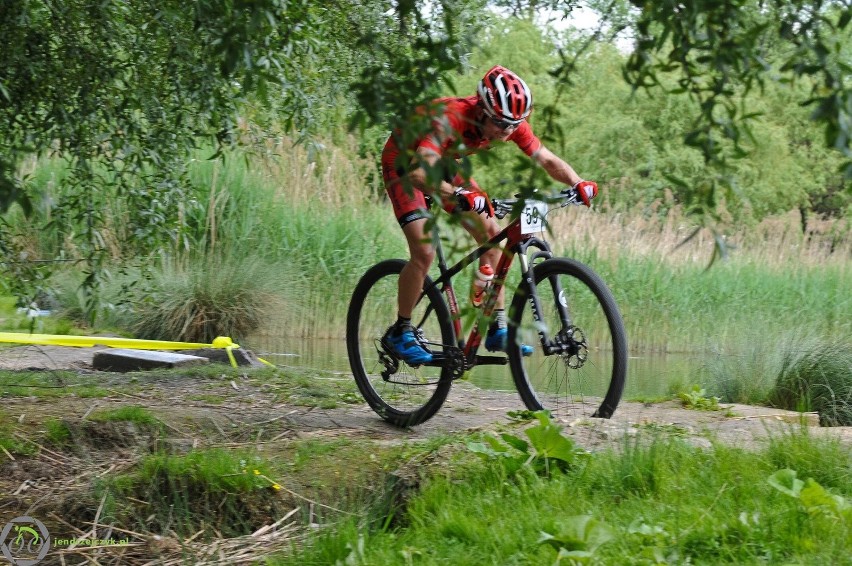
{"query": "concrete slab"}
[(124, 360), (241, 356), (750, 412)]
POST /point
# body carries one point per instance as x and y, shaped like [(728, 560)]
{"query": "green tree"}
[(722, 50), (125, 91)]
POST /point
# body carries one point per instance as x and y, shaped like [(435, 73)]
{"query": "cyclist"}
[(460, 126)]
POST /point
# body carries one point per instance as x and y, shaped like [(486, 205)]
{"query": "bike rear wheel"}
[(405, 395), (585, 375)]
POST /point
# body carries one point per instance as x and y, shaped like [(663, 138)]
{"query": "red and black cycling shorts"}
[(409, 203)]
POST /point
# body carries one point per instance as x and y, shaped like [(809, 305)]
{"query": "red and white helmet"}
[(504, 95)]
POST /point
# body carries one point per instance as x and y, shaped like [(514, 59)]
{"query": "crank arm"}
[(492, 360)]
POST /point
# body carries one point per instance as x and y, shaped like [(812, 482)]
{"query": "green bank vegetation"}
[(655, 497), (655, 500), (288, 268)]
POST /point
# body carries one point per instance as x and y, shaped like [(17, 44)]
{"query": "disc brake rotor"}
[(576, 350)]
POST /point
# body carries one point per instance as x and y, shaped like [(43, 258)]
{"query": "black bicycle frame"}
[(518, 244)]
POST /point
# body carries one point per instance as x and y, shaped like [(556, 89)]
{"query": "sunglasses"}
[(503, 124)]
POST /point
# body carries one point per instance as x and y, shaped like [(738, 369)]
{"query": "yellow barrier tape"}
[(111, 342)]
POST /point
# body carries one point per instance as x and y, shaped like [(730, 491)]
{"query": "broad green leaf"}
[(786, 482), (481, 448), (815, 497), (549, 442), (495, 444), (515, 442), (579, 533)]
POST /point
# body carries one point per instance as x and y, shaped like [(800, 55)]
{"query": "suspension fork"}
[(527, 264)]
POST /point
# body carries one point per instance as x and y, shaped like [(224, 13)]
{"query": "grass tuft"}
[(817, 377), (138, 415), (207, 298), (57, 432), (211, 490)]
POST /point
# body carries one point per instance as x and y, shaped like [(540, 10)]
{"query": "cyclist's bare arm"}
[(418, 176), (556, 167)]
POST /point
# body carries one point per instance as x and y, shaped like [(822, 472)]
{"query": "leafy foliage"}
[(547, 449), (579, 538), (697, 398), (815, 500), (723, 49), (127, 93)]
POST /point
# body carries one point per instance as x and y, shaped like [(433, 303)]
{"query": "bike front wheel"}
[(401, 394), (579, 363)]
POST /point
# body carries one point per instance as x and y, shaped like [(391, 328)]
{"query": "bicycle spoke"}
[(583, 374), (398, 392)]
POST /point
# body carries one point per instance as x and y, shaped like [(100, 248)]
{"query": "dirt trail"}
[(467, 408)]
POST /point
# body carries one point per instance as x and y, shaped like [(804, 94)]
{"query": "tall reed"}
[(316, 226)]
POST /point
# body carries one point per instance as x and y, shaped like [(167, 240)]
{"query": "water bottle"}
[(483, 278)]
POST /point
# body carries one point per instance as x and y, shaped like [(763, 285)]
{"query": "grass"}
[(47, 384), (797, 373), (11, 443), (817, 378), (297, 236), (132, 414), (682, 307), (235, 491), (222, 490), (279, 244), (207, 298), (57, 432), (298, 386), (670, 303), (662, 501)]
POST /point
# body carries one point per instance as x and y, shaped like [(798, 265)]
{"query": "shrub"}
[(207, 298), (817, 378)]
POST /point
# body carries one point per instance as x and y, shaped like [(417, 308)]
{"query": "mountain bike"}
[(561, 308)]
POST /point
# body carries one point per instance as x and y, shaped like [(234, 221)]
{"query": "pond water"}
[(648, 375)]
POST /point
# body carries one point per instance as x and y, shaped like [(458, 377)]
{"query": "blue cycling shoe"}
[(496, 340), (406, 346)]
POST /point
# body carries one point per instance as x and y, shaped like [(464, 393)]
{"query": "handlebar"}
[(568, 197)]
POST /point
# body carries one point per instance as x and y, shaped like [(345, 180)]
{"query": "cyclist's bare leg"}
[(411, 277), (482, 229)]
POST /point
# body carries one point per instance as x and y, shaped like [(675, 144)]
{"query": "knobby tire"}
[(549, 382), (412, 395)]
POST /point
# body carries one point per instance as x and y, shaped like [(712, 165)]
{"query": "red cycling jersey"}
[(455, 132)]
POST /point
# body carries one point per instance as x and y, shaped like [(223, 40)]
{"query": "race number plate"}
[(532, 217)]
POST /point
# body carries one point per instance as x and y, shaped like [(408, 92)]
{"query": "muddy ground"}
[(244, 412)]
